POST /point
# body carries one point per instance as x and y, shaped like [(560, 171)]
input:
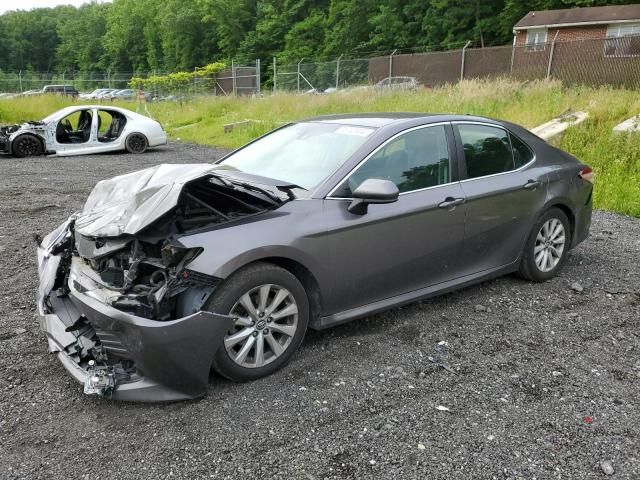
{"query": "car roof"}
[(74, 108), (383, 119)]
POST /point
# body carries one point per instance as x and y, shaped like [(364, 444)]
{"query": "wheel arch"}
[(568, 211), (38, 136), (305, 276), (126, 134)]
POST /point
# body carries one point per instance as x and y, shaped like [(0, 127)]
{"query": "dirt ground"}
[(505, 380)]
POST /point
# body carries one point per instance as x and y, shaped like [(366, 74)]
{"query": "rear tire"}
[(27, 145), (547, 246), (264, 340), (136, 143)]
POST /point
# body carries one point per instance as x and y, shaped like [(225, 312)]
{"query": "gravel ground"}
[(538, 380)]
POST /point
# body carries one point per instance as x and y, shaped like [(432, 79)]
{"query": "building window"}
[(623, 40), (536, 39)]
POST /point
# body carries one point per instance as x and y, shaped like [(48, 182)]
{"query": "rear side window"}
[(487, 150), (521, 153)]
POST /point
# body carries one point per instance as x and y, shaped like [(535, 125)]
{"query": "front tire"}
[(136, 143), (547, 246), (27, 145), (272, 312)]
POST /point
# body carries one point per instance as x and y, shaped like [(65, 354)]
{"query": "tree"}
[(346, 31), (80, 46)]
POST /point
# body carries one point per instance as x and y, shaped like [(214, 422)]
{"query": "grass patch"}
[(614, 157)]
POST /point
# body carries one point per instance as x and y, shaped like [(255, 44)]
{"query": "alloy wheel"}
[(29, 146), (137, 143), (266, 322), (550, 245)]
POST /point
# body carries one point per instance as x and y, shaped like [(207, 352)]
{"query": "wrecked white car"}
[(82, 130)]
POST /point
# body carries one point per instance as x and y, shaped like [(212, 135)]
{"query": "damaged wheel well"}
[(308, 280)]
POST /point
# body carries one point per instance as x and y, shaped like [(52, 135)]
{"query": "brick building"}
[(617, 25)]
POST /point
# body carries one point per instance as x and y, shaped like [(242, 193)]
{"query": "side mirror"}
[(373, 190)]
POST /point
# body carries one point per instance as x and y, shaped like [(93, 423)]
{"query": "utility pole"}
[(338, 71), (258, 79), (233, 77), (553, 48), (464, 50), (275, 75), (391, 65), (299, 74)]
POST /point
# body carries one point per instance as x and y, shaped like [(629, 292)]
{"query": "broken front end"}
[(5, 137), (125, 314)]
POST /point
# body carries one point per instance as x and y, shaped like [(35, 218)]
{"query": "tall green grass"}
[(614, 157)]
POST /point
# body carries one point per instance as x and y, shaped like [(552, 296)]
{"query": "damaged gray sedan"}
[(174, 270)]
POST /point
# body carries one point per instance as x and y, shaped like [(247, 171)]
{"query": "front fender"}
[(207, 263)]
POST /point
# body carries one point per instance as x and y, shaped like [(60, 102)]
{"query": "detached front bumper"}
[(172, 359)]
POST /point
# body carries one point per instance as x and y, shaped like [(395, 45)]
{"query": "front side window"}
[(536, 39), (414, 160), (487, 150), (304, 154)]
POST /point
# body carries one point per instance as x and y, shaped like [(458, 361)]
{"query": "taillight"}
[(587, 174)]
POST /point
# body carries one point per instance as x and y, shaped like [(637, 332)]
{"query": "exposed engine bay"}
[(35, 127), (145, 275)]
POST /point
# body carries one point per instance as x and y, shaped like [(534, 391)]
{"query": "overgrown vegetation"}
[(615, 157), (177, 81), (172, 35)]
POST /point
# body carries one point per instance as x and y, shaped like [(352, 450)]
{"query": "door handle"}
[(532, 185), (451, 202)]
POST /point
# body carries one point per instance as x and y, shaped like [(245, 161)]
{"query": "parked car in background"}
[(169, 271), (81, 130), (126, 94), (398, 83), (28, 93), (97, 93), (61, 90)]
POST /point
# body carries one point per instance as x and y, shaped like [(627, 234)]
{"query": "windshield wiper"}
[(267, 193)]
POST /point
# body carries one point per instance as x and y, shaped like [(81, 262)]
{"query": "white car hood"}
[(126, 204)]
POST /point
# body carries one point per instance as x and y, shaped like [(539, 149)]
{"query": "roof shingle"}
[(587, 15)]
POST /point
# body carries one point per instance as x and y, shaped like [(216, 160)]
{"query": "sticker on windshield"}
[(357, 131)]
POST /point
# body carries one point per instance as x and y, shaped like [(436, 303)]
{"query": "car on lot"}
[(175, 269), (397, 83), (69, 90), (81, 130), (126, 94), (97, 93)]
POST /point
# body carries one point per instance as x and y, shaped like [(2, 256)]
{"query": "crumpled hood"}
[(128, 203)]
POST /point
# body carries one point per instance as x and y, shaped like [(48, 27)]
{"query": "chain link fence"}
[(237, 80), (319, 77), (594, 62)]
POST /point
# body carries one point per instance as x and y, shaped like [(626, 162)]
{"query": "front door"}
[(76, 131), (403, 246)]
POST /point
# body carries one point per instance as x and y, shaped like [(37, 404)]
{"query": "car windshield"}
[(56, 114), (304, 154)]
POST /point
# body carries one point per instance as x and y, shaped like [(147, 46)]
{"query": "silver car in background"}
[(170, 271)]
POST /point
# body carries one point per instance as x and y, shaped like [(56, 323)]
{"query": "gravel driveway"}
[(506, 379)]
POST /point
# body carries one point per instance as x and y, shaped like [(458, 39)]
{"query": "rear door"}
[(505, 190), (403, 246)]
